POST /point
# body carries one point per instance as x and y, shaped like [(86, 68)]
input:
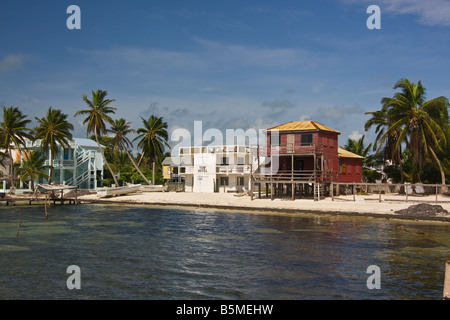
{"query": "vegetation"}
[(53, 130), (418, 126), (33, 167), (97, 115), (120, 129), (13, 132), (153, 138)]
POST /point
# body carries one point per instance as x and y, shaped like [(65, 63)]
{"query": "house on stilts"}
[(302, 159)]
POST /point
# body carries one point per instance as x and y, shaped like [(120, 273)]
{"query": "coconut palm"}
[(153, 137), (13, 132), (387, 142), (53, 130), (120, 129), (97, 117), (419, 122), (358, 147), (33, 166)]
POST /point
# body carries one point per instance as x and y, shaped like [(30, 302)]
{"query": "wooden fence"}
[(403, 192)]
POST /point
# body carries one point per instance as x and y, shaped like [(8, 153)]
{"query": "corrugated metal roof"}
[(347, 154), (302, 126), (84, 142)]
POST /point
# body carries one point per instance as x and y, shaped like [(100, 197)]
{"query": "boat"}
[(118, 191)]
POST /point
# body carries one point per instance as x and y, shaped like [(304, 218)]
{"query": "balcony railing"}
[(59, 163), (289, 149), (296, 175), (229, 169), (233, 169)]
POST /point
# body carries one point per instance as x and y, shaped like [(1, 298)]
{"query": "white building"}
[(79, 165), (215, 168)]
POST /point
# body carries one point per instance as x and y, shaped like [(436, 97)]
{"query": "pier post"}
[(271, 191), (332, 191), (447, 281)]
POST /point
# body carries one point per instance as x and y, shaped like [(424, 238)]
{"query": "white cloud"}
[(355, 135), (12, 62), (338, 112), (430, 12)]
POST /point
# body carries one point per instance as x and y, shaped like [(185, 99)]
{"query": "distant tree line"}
[(112, 136)]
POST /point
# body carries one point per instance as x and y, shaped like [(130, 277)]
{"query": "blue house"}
[(79, 165)]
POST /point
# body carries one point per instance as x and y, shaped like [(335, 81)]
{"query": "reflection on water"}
[(127, 252)]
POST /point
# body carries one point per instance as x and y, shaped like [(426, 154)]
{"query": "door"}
[(290, 142)]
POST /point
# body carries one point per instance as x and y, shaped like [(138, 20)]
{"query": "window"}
[(225, 161), (66, 154), (240, 160), (307, 139), (240, 181), (223, 181), (342, 167)]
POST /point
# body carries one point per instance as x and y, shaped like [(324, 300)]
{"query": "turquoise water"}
[(131, 252)]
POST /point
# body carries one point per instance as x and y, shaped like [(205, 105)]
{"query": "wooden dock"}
[(47, 193)]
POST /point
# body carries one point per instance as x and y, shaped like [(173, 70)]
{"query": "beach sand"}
[(368, 205)]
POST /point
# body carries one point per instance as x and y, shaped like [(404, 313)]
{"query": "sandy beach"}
[(368, 205)]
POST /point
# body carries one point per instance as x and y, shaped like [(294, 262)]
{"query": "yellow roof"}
[(347, 154), (302, 126)]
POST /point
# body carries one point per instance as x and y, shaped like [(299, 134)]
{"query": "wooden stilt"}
[(45, 206), (332, 191), (447, 281)]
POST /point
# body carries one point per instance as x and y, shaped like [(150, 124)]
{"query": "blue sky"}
[(231, 64)]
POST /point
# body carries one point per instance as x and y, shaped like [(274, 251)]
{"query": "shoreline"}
[(364, 206)]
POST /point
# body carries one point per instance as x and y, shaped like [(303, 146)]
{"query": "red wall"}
[(353, 170)]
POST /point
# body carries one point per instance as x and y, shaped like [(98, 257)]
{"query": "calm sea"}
[(138, 252)]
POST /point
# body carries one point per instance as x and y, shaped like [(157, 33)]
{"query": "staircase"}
[(82, 157)]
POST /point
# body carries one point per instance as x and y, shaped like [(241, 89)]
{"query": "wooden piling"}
[(447, 281), (332, 191)]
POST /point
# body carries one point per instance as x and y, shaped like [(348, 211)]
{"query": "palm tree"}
[(120, 129), (33, 167), (419, 123), (53, 130), (153, 137), (388, 142), (358, 147), (97, 115), (13, 132)]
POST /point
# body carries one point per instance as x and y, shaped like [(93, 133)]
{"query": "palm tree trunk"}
[(11, 170), (140, 159), (440, 169), (104, 158), (134, 164), (51, 167)]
